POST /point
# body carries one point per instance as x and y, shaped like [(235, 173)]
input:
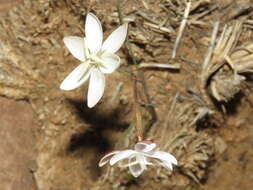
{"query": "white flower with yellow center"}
[(97, 58)]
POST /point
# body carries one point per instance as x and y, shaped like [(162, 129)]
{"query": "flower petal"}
[(76, 78), (167, 165), (115, 40), (107, 158), (142, 160), (93, 33), (121, 155), (96, 87), (136, 168), (110, 62), (144, 146), (163, 156), (76, 46)]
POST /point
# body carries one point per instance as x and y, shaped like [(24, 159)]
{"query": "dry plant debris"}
[(226, 62)]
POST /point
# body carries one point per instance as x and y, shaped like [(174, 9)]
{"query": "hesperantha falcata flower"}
[(96, 58), (139, 158)]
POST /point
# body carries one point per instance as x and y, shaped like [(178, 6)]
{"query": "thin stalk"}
[(136, 76)]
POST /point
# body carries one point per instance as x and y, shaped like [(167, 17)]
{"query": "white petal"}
[(163, 156), (93, 33), (96, 87), (121, 155), (167, 165), (136, 168), (76, 46), (110, 62), (144, 146), (142, 160), (107, 158), (76, 78), (116, 39)]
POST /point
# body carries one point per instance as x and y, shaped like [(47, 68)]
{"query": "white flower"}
[(137, 158), (97, 58)]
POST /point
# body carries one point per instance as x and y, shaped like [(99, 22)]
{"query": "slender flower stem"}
[(139, 129), (138, 126), (138, 76)]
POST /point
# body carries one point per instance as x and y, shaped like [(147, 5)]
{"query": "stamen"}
[(96, 58), (99, 62)]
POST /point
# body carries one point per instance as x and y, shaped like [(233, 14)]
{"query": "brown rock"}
[(16, 145)]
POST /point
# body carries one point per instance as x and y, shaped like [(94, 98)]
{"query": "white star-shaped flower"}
[(138, 158), (97, 58)]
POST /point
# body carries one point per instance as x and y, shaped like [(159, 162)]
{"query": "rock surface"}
[(17, 150)]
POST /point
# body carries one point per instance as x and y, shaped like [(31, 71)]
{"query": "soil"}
[(52, 141), (6, 5)]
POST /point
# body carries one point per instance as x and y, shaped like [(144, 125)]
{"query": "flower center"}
[(94, 59)]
